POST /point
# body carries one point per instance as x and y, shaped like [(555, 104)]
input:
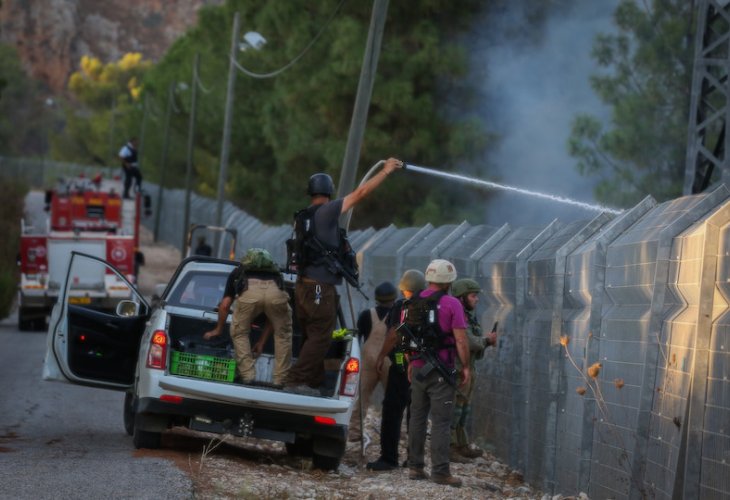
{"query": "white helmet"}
[(440, 271)]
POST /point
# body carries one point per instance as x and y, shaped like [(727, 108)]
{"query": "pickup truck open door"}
[(92, 346)]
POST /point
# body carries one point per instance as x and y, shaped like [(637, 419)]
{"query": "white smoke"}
[(534, 85)]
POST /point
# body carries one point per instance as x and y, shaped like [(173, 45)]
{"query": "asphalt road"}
[(59, 441)]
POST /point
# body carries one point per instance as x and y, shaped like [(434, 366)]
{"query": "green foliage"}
[(22, 113), (647, 87), (11, 211), (291, 126), (101, 116)]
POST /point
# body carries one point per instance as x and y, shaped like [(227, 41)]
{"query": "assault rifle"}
[(335, 266), (416, 344)]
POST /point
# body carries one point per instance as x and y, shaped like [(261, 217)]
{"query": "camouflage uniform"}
[(462, 407)]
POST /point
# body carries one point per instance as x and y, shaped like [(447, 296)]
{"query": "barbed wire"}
[(293, 61)]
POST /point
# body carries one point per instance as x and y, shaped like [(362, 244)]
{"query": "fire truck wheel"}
[(24, 323)]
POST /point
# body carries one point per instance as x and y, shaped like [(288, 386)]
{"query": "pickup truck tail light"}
[(157, 351), (350, 378)]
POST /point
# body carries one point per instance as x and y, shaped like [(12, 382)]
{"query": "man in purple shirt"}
[(315, 294), (430, 391)]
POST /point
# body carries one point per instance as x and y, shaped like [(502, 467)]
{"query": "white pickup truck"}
[(172, 377)]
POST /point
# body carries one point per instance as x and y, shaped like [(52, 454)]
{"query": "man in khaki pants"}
[(372, 327), (257, 287)]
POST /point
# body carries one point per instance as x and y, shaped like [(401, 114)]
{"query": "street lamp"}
[(251, 40), (191, 147), (47, 125)]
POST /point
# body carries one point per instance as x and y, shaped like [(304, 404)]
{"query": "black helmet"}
[(385, 292), (321, 184)]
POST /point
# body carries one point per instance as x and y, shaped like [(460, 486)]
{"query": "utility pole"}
[(225, 147), (362, 100), (140, 149), (163, 162), (191, 147), (708, 137), (112, 148)]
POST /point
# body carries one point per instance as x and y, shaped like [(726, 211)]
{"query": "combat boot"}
[(456, 457), (417, 473), (469, 452), (447, 480)]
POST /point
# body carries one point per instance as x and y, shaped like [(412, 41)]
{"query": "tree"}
[(102, 114), (647, 87), (22, 130), (289, 127)]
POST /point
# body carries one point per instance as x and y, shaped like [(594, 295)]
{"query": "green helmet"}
[(259, 259), (464, 286), (412, 281)]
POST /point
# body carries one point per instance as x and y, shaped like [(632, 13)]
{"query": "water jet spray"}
[(505, 187)]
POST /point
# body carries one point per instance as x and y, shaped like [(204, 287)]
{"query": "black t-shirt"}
[(394, 319), (365, 324), (230, 290), (327, 230)]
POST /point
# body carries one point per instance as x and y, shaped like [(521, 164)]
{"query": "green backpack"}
[(260, 260)]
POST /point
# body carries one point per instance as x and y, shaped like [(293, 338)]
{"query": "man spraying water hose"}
[(316, 296)]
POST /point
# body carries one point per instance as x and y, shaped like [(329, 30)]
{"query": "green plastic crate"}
[(203, 366)]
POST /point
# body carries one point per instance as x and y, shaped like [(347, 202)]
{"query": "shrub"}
[(13, 194)]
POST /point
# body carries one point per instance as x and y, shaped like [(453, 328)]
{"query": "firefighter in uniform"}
[(431, 392), (256, 287), (130, 166), (315, 293), (467, 291)]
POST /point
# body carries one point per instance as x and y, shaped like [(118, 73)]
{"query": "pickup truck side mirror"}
[(127, 308)]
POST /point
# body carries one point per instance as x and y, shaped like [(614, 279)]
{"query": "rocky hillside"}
[(52, 35)]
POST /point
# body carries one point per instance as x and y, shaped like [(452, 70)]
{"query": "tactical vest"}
[(132, 156), (420, 316), (305, 249), (262, 269)]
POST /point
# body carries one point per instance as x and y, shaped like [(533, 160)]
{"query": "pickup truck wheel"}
[(325, 463), (129, 413), (301, 447), (144, 439), (327, 452)]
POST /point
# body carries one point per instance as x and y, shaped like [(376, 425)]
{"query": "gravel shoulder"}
[(161, 260)]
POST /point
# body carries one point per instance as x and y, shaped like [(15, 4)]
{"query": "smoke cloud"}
[(533, 86)]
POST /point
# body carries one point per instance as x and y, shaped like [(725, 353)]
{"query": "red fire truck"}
[(89, 216)]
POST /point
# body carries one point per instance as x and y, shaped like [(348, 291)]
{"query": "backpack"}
[(256, 260), (420, 317), (305, 249)]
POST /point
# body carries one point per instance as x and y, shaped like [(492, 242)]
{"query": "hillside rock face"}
[(52, 35)]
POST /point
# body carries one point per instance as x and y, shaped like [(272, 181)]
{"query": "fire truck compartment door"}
[(86, 278)]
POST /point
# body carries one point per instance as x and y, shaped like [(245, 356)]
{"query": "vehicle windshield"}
[(199, 289)]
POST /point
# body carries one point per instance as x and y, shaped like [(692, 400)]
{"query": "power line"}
[(293, 61), (199, 82)]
